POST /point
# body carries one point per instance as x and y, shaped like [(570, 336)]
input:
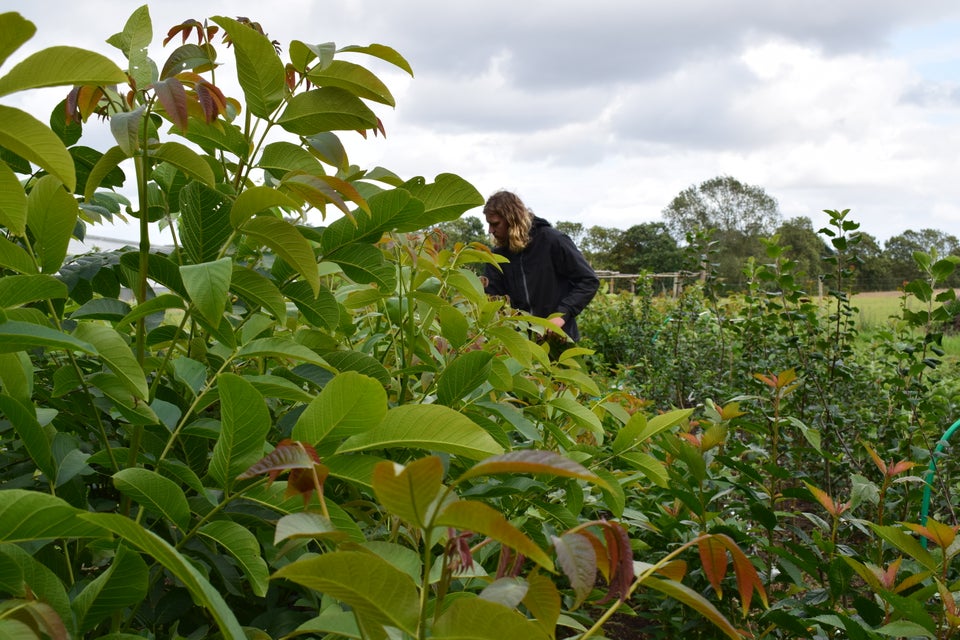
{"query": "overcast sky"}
[(601, 112)]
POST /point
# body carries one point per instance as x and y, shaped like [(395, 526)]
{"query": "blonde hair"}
[(519, 219)]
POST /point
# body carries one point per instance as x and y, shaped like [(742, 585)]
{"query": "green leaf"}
[(14, 31), (319, 191), (283, 348), (379, 593), (389, 210), (131, 407), (154, 305), (258, 290), (116, 353), (581, 416), (431, 427), (31, 434), (125, 127), (282, 157), (463, 376), (205, 222), (16, 376), (21, 568), (256, 199), (33, 141), (326, 109), (356, 468), (351, 403), (443, 200), (51, 218), (189, 57), (274, 497), (110, 309), (123, 584), (517, 344), (453, 325), (159, 268), (356, 79), (469, 515), (16, 291), (31, 516), (906, 543), (319, 309), (365, 264), (543, 601), (288, 243), (259, 68), (691, 598), (359, 362), (306, 525), (639, 429), (14, 257), (59, 67), (185, 159), (13, 202), (411, 492), (17, 336), (245, 422), (107, 163), (148, 542), (242, 544), (904, 629), (653, 469), (472, 618), (388, 54), (133, 42), (209, 286), (578, 380), (153, 491)]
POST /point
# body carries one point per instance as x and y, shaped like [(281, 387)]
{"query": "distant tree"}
[(741, 214), (465, 229), (646, 247), (597, 246), (899, 251), (725, 204), (875, 271), (805, 247), (575, 230)]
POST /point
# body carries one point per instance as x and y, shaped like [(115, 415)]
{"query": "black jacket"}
[(549, 276)]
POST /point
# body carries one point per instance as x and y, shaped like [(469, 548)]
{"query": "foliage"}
[(280, 429), (816, 463)]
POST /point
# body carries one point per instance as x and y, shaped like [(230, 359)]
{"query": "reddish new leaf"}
[(173, 97), (621, 562), (545, 462), (936, 532), (713, 555), (747, 577), (287, 455)]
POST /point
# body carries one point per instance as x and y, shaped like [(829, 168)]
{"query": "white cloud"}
[(602, 112)]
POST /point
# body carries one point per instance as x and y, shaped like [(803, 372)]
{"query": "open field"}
[(877, 307)]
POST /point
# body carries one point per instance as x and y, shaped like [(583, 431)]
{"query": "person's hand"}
[(557, 320)]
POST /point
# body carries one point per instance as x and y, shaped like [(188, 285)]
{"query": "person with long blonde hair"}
[(546, 275)]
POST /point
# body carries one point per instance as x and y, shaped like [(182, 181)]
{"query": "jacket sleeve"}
[(574, 268), (496, 284)]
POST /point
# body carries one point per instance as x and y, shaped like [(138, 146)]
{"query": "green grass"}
[(876, 310)]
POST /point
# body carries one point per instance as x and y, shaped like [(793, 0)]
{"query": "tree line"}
[(722, 224)]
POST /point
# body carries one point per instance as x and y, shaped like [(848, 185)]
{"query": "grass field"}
[(877, 307)]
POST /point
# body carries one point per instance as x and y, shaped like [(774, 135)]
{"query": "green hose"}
[(931, 472)]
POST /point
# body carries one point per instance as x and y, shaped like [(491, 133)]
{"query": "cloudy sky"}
[(601, 112)]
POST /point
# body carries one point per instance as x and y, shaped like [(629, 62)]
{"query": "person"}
[(546, 273)]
